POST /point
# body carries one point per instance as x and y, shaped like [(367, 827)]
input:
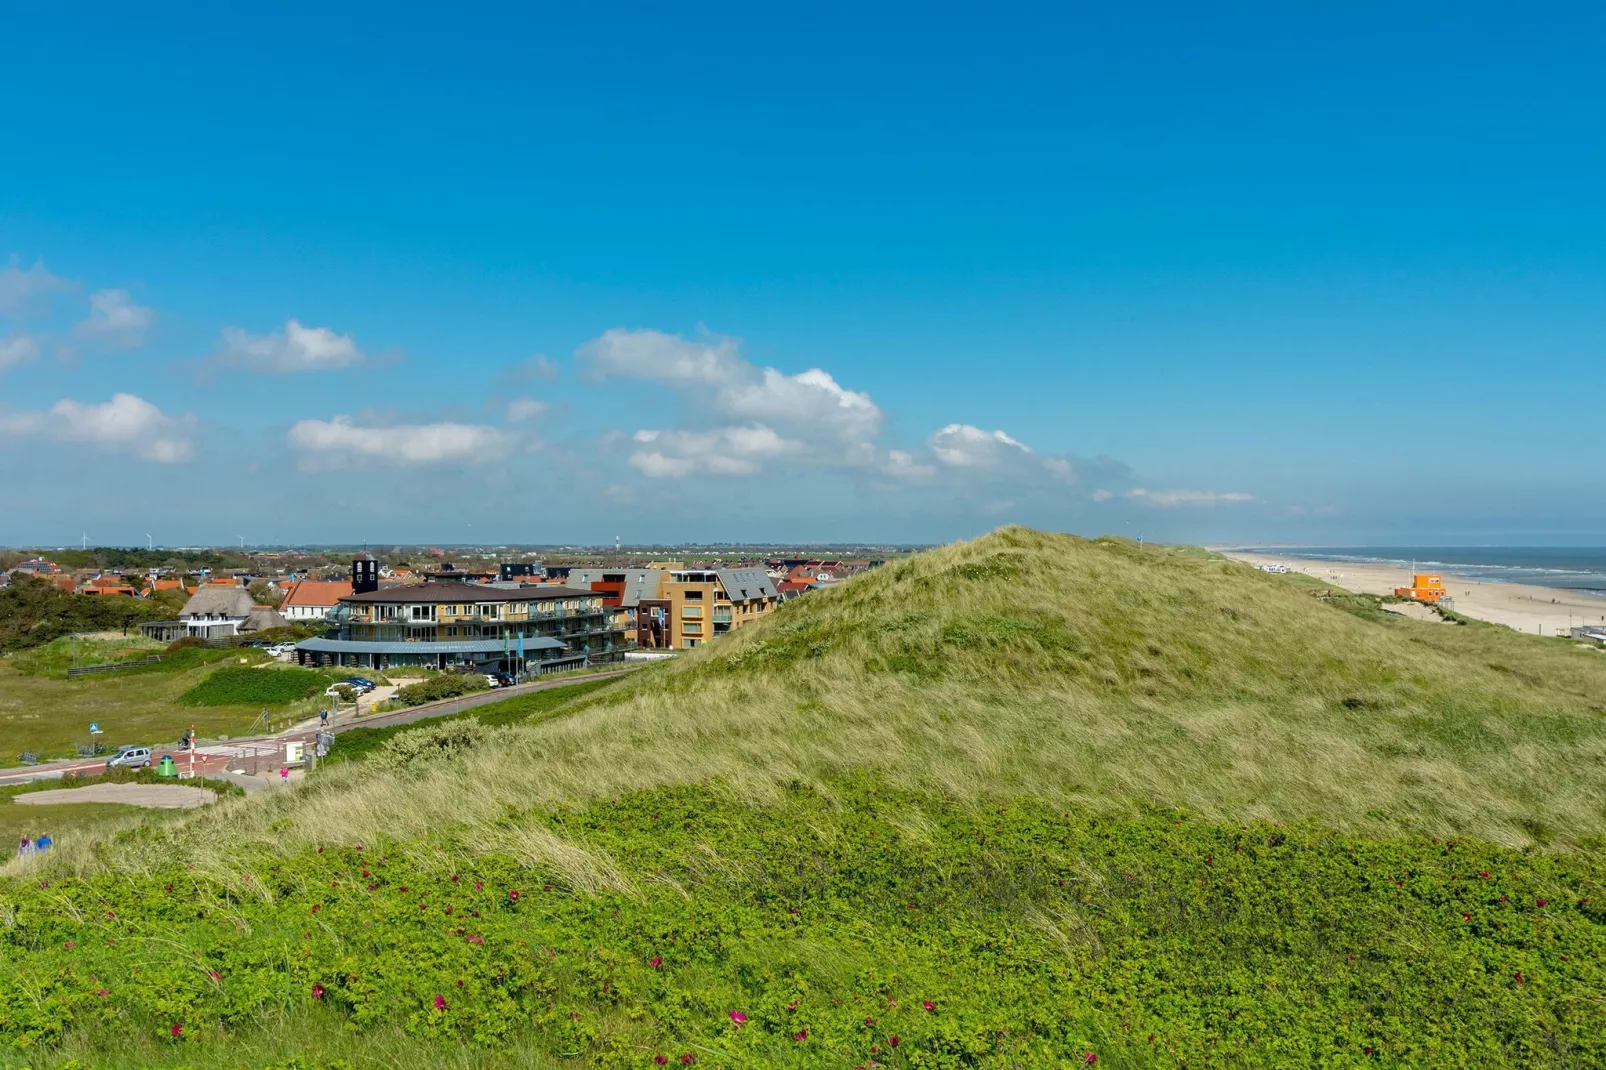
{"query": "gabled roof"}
[(231, 601), (639, 583), (746, 584), (321, 594)]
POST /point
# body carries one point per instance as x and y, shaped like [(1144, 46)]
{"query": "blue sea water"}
[(1571, 568)]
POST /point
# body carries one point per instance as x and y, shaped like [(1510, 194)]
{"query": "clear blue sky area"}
[(1213, 273)]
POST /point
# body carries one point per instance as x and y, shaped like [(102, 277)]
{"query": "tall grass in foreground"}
[(1081, 672)]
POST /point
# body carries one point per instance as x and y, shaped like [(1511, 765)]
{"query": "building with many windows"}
[(696, 605), (520, 630)]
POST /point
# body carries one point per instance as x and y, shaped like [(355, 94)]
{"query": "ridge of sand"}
[(1526, 608)]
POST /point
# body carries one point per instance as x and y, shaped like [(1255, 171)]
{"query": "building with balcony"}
[(622, 590), (520, 630), (696, 605)]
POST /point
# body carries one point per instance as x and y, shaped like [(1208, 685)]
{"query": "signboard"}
[(94, 728)]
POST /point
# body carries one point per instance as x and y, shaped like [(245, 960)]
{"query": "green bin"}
[(167, 768)]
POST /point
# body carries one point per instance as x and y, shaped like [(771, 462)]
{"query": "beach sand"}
[(1535, 610)]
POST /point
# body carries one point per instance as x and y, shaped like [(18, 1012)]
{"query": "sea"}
[(1571, 568)]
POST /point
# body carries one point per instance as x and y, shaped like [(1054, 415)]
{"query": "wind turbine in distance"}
[(150, 544), (242, 542)]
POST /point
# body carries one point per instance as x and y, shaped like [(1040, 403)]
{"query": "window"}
[(691, 628), (694, 595), (450, 611), (689, 643), (491, 610), (691, 611)]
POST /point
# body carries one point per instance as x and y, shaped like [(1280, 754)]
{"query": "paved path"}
[(258, 752), (162, 796)]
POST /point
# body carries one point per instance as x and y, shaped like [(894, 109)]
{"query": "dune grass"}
[(1086, 672)]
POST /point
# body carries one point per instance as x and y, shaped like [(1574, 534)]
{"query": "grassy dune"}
[(1080, 672), (1026, 801)]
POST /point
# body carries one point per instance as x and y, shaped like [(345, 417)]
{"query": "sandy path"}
[(1535, 610), (163, 796)]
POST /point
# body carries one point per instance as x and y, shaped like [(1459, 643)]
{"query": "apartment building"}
[(522, 630), (697, 605), (623, 590)]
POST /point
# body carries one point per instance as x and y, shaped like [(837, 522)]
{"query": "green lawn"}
[(49, 715)]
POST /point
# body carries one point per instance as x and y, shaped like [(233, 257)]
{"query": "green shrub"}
[(437, 686), (811, 930), (242, 686), (432, 742)]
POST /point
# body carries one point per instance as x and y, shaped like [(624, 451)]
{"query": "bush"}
[(439, 686), (238, 686), (433, 742)]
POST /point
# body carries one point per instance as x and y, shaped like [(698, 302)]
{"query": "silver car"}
[(133, 757)]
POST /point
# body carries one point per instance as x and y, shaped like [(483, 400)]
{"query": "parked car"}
[(502, 679), (491, 680), (132, 757), (362, 682), (282, 649)]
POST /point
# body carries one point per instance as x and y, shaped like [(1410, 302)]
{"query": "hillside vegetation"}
[(1025, 801), (1087, 672)]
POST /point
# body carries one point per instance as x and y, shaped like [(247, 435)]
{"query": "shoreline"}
[(1522, 607)]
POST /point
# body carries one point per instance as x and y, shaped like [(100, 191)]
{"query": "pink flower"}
[(403, 888), (214, 975), (177, 1030), (454, 878), (513, 895), (478, 885), (660, 1059), (656, 961), (316, 907), (365, 873), (801, 1034), (475, 938), (317, 991), (69, 945), (440, 1003), (738, 1017), (1539, 902), (687, 1059), (102, 993), (930, 1006), (1090, 1058), (893, 1040)]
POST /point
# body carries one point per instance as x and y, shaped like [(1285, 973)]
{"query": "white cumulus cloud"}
[(18, 350), (810, 399), (662, 358), (964, 446), (22, 289), (294, 349), (125, 424), (520, 409), (342, 443), (726, 451), (115, 319)]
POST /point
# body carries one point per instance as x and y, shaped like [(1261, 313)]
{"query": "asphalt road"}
[(212, 758)]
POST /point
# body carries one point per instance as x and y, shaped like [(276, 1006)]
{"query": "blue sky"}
[(870, 273)]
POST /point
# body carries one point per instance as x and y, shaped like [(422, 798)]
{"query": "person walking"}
[(42, 844), (323, 718), (284, 774), (25, 848)]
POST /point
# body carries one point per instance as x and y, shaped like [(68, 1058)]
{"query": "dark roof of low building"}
[(467, 592)]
